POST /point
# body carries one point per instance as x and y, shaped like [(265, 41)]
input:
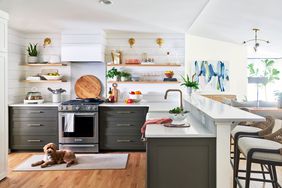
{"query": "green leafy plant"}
[(278, 94), (192, 84), (112, 73), (32, 50), (125, 74)]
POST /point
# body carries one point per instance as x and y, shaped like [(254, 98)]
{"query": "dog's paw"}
[(43, 166)]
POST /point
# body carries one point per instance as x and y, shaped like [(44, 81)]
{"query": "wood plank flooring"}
[(132, 177)]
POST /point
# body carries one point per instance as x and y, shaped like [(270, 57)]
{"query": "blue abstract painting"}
[(212, 75)]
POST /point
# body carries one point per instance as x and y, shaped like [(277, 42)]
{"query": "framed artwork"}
[(211, 75)]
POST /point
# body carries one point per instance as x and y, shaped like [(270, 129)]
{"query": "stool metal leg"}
[(274, 176), (248, 172), (236, 166), (262, 170)]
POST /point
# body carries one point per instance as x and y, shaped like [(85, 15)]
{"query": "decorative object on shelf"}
[(88, 86), (278, 94), (32, 53), (116, 57), (256, 40), (113, 74), (212, 75), (47, 41), (131, 42), (33, 97), (124, 76), (135, 78), (132, 61), (169, 74), (160, 42), (56, 94), (115, 91), (190, 84)]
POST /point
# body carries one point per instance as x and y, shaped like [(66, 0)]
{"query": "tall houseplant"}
[(278, 94), (32, 53), (190, 84)]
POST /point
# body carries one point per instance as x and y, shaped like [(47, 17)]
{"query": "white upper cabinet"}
[(83, 47), (3, 31)]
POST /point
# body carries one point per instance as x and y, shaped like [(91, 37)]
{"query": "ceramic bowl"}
[(136, 98), (178, 117)]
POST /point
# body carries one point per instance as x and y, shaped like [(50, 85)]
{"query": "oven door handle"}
[(80, 145)]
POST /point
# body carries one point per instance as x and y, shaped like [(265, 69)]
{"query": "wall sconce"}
[(131, 42), (160, 42), (47, 42)]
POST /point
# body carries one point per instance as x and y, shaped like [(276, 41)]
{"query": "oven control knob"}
[(89, 108), (77, 108)]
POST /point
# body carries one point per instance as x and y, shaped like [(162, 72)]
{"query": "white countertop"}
[(159, 131), (47, 104), (220, 112), (157, 106)]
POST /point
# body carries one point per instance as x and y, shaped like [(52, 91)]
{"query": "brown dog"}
[(54, 156)]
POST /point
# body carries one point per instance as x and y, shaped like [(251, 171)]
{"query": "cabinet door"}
[(3, 117), (3, 35)]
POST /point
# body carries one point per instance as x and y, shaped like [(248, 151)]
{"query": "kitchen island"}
[(198, 156)]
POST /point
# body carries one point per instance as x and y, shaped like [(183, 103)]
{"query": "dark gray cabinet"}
[(30, 128), (181, 162), (119, 127)]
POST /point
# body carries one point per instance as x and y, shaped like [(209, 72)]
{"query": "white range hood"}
[(83, 47)]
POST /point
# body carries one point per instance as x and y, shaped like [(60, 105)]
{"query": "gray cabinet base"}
[(181, 163)]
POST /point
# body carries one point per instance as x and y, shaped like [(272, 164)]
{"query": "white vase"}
[(189, 91), (123, 79), (32, 59)]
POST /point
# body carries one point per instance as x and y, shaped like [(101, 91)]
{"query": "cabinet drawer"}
[(112, 113), (34, 112), (29, 142), (124, 142), (35, 127), (121, 123)]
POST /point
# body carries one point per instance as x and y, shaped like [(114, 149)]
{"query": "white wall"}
[(146, 43), (199, 48)]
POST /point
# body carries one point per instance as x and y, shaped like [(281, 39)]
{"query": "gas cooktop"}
[(80, 105)]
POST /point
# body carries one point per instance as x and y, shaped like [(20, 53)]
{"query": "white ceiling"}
[(227, 20), (124, 15), (233, 20)]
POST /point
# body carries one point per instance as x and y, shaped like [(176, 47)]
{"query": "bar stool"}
[(264, 150)]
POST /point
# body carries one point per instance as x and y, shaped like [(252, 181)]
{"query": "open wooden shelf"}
[(143, 65), (46, 65), (44, 81), (146, 82)]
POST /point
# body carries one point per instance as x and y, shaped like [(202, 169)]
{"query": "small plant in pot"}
[(113, 74), (190, 84), (278, 94), (32, 53), (124, 76)]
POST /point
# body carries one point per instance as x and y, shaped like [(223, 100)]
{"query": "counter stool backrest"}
[(276, 136), (266, 126)]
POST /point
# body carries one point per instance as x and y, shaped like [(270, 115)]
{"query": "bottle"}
[(115, 92), (110, 96)]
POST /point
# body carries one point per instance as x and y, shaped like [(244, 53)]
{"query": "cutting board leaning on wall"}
[(88, 86)]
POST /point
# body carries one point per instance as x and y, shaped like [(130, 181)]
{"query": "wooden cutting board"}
[(88, 86)]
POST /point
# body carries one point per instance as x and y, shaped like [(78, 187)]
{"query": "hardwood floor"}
[(133, 176)]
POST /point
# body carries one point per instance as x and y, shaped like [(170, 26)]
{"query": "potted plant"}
[(32, 53), (190, 84), (278, 94), (124, 76), (113, 74)]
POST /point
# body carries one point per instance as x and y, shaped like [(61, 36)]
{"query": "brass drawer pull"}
[(36, 112), (34, 140), (124, 125), (124, 141), (124, 112), (34, 125)]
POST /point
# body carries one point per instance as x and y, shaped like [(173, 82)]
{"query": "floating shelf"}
[(44, 81), (146, 82), (46, 65), (144, 65)]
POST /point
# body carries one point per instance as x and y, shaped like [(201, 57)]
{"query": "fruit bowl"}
[(169, 74), (135, 97)]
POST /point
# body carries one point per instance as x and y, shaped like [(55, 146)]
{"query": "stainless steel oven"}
[(83, 136)]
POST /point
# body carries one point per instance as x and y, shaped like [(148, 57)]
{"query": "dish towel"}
[(69, 123), (154, 121)]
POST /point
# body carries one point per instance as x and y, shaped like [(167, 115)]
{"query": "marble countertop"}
[(195, 130), (157, 106), (47, 104), (220, 112)]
